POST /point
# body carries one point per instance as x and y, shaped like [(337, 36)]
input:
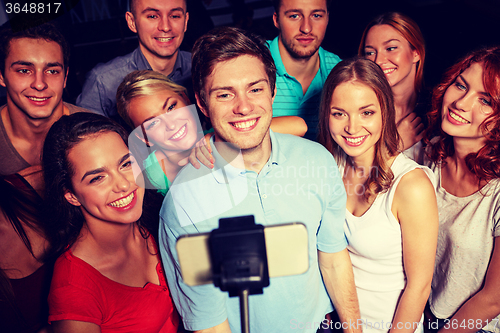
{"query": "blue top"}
[(290, 100), (99, 89), (299, 183)]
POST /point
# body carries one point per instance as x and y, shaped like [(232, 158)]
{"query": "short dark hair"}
[(277, 5), (131, 5), (47, 31), (223, 44)]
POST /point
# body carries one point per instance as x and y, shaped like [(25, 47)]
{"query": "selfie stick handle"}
[(245, 322)]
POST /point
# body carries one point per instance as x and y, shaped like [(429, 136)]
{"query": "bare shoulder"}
[(414, 184)]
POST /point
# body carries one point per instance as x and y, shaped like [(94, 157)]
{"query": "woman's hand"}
[(411, 130), (201, 152)]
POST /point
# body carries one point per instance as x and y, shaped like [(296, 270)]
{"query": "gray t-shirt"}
[(467, 230)]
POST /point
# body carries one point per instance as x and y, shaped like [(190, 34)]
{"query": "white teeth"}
[(387, 71), (244, 124), (355, 140), (38, 99), (164, 39), (123, 202), (458, 118), (179, 133)]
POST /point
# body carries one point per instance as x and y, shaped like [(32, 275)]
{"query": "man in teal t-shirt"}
[(302, 65)]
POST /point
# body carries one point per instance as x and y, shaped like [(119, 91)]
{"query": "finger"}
[(416, 121), (202, 155), (420, 128)]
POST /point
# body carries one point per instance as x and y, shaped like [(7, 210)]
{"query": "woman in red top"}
[(109, 276)]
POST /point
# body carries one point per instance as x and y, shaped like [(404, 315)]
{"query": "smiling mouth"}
[(164, 39), (388, 71), (355, 141), (245, 125), (179, 133), (38, 99), (123, 201), (458, 118)]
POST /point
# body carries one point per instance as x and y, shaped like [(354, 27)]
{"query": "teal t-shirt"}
[(155, 174), (290, 100)]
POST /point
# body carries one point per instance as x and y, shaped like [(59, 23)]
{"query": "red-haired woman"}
[(395, 43), (465, 160)]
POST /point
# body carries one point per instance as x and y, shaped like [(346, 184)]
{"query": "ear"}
[(71, 198), (66, 77), (129, 17), (201, 105), (2, 81), (275, 20), (416, 56), (142, 138), (274, 93), (186, 21)]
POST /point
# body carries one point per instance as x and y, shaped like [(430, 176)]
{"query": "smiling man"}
[(302, 65), (33, 69), (160, 26), (257, 172)]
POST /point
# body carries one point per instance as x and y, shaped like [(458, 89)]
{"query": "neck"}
[(169, 162), (108, 237), (252, 159), (19, 125), (405, 100), (164, 65), (464, 147), (302, 69)]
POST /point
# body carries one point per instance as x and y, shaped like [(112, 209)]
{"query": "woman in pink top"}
[(109, 277)]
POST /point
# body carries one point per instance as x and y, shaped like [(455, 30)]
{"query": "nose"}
[(464, 102), (379, 58), (352, 126), (306, 26), (243, 105), (122, 183), (164, 24), (39, 81)]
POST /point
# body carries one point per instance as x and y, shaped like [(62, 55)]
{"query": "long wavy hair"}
[(409, 30), (63, 219), (485, 163), (368, 73)]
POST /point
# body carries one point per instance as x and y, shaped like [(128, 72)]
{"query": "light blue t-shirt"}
[(299, 183), (290, 100)]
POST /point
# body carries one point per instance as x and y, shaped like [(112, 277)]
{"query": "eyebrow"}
[(27, 63), (151, 9), (468, 85), (361, 108), (300, 11), (232, 88), (99, 170)]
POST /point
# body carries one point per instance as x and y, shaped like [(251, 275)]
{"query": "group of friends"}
[(397, 185)]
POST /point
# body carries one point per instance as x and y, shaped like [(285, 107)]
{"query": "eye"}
[(317, 16), (152, 16), (293, 16), (485, 101), (23, 71), (256, 90), (176, 16), (367, 113), (152, 124), (95, 179), (460, 86), (336, 114), (172, 106), (127, 164), (369, 53), (53, 71), (223, 96), (391, 48)]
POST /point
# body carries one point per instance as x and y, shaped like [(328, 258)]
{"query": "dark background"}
[(97, 31)]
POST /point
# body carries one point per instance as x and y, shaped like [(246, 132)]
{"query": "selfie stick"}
[(239, 260)]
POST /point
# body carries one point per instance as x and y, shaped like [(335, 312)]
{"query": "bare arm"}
[(485, 304), (73, 326), (221, 328), (338, 277), (415, 207), (289, 125)]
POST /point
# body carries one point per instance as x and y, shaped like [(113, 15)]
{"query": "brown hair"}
[(368, 73), (410, 31)]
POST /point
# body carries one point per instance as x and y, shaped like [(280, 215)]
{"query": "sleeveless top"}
[(376, 251)]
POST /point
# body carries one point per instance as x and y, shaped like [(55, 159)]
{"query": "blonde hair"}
[(140, 84)]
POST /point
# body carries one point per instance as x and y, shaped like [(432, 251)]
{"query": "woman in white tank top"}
[(391, 217)]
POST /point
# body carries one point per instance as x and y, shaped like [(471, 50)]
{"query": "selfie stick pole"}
[(239, 260)]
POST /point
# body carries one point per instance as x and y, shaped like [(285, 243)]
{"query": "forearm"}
[(339, 282), (477, 312), (410, 308), (289, 125), (221, 328)]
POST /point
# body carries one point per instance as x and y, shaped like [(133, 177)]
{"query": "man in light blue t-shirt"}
[(278, 178), (302, 65)]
